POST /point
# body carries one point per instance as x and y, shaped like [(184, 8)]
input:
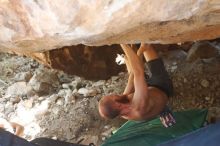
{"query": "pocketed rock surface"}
[(52, 104)]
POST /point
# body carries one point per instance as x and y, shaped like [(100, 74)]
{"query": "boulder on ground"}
[(202, 50), (19, 89), (44, 81)]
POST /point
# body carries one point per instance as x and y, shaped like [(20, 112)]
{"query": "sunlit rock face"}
[(39, 25)]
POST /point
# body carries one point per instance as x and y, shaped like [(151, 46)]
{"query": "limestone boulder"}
[(39, 25), (202, 50), (19, 89)]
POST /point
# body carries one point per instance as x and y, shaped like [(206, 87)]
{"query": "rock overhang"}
[(36, 26)]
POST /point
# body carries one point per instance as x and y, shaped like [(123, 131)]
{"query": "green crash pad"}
[(151, 133)]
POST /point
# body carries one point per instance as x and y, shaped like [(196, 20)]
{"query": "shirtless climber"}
[(143, 98)]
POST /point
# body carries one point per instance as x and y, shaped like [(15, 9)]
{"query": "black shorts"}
[(159, 77)]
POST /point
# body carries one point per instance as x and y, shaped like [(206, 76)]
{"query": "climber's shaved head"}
[(108, 108)]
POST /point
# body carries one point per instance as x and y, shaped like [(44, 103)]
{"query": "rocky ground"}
[(50, 103)]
